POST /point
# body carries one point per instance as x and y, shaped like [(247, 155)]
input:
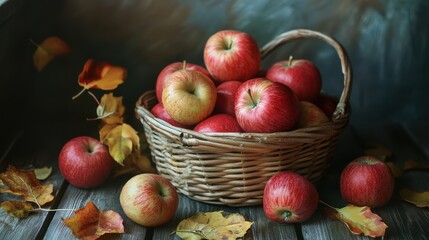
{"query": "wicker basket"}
[(233, 168)]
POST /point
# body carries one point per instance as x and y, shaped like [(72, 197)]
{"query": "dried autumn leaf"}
[(135, 163), (396, 170), (111, 110), (19, 209), (420, 199), (413, 165), (213, 225), (89, 223), (100, 75), (43, 173), (361, 220), (120, 141), (49, 49), (26, 185)]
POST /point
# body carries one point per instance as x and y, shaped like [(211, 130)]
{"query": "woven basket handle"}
[(345, 66)]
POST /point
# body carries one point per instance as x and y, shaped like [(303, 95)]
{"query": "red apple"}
[(327, 103), (226, 97), (171, 68), (189, 96), (231, 55), (311, 115), (159, 111), (264, 106), (85, 162), (367, 181), (149, 199), (301, 75), (218, 123), (289, 198)]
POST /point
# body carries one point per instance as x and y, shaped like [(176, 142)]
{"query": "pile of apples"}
[(233, 94)]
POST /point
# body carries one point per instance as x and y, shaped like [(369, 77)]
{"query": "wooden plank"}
[(405, 221), (105, 197)]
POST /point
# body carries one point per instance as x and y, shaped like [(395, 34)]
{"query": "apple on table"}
[(301, 75), (232, 55), (85, 162)]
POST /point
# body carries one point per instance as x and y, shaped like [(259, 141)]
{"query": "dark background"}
[(387, 41)]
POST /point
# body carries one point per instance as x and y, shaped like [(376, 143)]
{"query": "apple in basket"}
[(264, 106), (189, 96), (311, 115), (327, 103), (85, 162), (171, 68), (149, 199), (231, 55), (159, 111), (367, 181), (219, 123), (289, 198), (301, 75), (226, 96)]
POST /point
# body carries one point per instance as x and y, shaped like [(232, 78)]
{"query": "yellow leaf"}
[(121, 141), (361, 220), (213, 225), (111, 110), (49, 49), (420, 199), (135, 163), (43, 172), (19, 209)]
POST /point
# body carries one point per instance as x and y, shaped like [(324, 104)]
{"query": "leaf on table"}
[(100, 75), (48, 50), (89, 223), (42, 173), (396, 170), (361, 220), (121, 140), (413, 165), (19, 209), (26, 185), (380, 152), (213, 225), (420, 199), (135, 163)]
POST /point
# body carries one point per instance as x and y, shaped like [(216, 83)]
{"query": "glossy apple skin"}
[(226, 96), (171, 68), (301, 75), (289, 198), (218, 123), (311, 115), (189, 96), (367, 181), (274, 108), (149, 199), (85, 162), (231, 55), (159, 112)]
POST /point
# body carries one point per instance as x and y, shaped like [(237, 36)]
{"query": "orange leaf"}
[(90, 223), (49, 49), (100, 75), (420, 199), (19, 209), (26, 185), (361, 220)]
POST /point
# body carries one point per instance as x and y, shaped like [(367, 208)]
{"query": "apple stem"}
[(290, 60), (286, 215), (251, 97), (184, 65)]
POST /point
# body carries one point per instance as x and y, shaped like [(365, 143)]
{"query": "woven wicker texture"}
[(233, 168)]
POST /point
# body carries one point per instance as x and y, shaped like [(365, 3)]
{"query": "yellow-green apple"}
[(301, 75), (218, 123), (159, 111), (85, 162), (367, 181), (264, 106), (311, 115), (226, 97), (171, 68), (327, 103), (232, 55), (289, 198), (149, 199), (189, 96)]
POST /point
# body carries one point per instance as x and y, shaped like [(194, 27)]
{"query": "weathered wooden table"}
[(404, 220)]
